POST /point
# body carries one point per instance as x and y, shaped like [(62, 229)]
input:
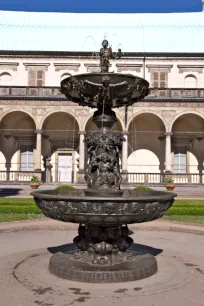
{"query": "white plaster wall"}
[(52, 77)]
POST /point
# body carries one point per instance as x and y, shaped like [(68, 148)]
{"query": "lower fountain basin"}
[(132, 207)]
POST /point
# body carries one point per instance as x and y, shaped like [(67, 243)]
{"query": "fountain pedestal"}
[(104, 254)]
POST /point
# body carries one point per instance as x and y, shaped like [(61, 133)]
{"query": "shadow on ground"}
[(137, 247), (10, 191)]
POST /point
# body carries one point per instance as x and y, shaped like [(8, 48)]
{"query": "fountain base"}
[(78, 266), (103, 255)]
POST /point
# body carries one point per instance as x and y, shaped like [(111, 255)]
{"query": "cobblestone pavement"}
[(26, 281)]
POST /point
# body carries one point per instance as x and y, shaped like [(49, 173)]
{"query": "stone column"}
[(81, 151), (81, 171), (38, 149), (125, 157), (8, 168), (168, 152)]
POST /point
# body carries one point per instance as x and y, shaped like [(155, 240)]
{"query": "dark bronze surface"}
[(129, 208), (103, 210), (115, 89), (79, 266)]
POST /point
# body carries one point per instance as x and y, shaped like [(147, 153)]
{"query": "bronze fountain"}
[(103, 252)]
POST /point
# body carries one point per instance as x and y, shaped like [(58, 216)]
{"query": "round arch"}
[(148, 112), (59, 111), (184, 113), (22, 111)]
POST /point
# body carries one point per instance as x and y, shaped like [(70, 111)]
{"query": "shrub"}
[(142, 188), (34, 179), (65, 187), (168, 180)]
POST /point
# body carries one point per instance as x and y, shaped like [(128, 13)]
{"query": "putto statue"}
[(105, 54)]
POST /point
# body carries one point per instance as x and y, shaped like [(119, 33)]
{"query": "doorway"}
[(65, 167)]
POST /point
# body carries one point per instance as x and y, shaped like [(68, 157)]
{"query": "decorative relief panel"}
[(19, 91), (47, 91), (169, 114), (39, 111), (56, 92), (176, 93), (190, 93), (82, 112), (4, 91)]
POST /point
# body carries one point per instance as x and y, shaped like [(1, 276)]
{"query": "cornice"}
[(9, 65), (43, 65), (190, 68), (128, 67), (152, 67), (67, 66)]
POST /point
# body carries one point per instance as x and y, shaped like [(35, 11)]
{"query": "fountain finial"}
[(105, 54)]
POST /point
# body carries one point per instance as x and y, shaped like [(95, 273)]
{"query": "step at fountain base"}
[(79, 266)]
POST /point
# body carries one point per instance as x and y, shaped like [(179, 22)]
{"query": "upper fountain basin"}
[(108, 89), (132, 207)]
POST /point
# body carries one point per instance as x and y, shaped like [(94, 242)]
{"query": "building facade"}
[(40, 131)]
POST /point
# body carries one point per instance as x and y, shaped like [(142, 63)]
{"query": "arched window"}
[(64, 76), (190, 81), (5, 78)]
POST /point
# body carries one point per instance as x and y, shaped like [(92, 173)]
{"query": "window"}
[(36, 77), (190, 81), (27, 158), (5, 78), (180, 164), (64, 76), (159, 79)]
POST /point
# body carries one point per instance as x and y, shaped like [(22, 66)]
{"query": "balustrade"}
[(54, 92)]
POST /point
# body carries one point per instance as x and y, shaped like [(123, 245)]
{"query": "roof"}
[(169, 32)]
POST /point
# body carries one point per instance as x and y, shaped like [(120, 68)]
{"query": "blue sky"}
[(102, 6)]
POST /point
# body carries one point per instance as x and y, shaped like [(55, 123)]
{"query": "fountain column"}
[(125, 157), (168, 152), (38, 149)]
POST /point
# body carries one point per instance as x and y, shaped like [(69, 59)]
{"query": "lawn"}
[(14, 209), (18, 209)]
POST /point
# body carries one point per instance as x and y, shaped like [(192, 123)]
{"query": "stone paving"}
[(26, 281)]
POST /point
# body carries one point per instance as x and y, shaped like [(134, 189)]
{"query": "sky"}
[(103, 6)]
